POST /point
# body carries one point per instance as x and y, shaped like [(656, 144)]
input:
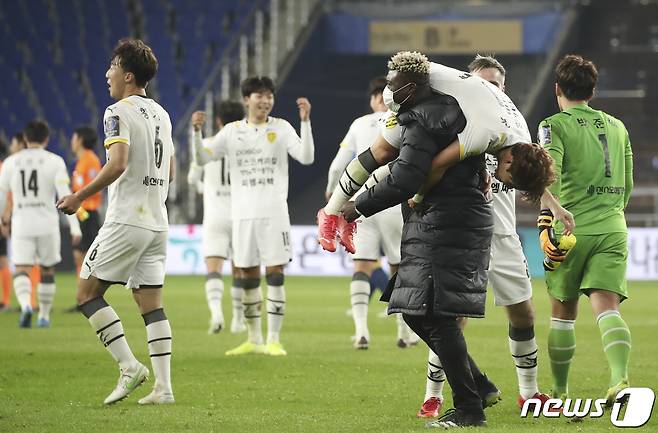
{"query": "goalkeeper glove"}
[(547, 239)]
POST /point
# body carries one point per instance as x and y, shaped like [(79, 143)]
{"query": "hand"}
[(69, 204), (5, 229), (349, 212), (75, 240), (411, 203), (304, 109), (485, 184), (198, 120), (547, 241), (566, 218)]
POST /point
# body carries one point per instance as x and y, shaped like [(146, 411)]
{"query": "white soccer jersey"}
[(35, 178), (138, 196), (258, 160), (504, 202), (492, 120), (216, 189)]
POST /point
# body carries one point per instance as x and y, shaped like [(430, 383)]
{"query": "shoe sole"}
[(427, 415), (142, 380)]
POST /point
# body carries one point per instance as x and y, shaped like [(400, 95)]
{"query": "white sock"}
[(108, 327), (214, 293), (236, 300), (252, 301), (359, 293), (46, 295), (158, 335), (404, 332), (523, 346), (436, 377), (276, 308), (23, 290)]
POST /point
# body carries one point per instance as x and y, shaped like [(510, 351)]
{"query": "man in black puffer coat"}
[(445, 249)]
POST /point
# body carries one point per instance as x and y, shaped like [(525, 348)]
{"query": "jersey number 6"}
[(158, 148)]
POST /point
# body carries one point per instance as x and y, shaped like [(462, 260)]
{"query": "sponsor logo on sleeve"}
[(545, 135), (111, 126)]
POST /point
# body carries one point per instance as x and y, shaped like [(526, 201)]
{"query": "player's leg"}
[(24, 251), (433, 400), (48, 254), (367, 244), (111, 259), (214, 288), (5, 275), (237, 292), (605, 276), (247, 259)]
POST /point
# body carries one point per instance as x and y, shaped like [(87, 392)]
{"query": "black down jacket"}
[(445, 250)]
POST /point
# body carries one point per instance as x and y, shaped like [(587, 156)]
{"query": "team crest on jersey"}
[(111, 126), (391, 122), (271, 136), (545, 134)]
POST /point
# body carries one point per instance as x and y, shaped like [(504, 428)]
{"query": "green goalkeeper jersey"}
[(593, 167)]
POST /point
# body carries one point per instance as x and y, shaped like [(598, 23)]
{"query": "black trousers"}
[(445, 338)]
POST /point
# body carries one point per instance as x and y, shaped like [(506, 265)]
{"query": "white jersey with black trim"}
[(258, 163), (138, 196), (504, 202), (35, 178), (492, 120), (216, 189)]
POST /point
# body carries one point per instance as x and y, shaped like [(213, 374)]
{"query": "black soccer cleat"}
[(458, 418), (488, 392)]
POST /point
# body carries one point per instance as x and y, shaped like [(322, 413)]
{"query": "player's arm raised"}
[(302, 149), (216, 148), (117, 162)]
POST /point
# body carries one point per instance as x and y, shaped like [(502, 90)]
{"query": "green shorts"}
[(596, 262)]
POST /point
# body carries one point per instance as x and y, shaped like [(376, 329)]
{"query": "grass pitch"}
[(54, 380)]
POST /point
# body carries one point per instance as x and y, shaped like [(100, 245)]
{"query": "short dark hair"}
[(229, 111), (36, 131), (257, 84), (485, 62), (136, 57), (88, 135), (531, 170), (576, 77), (20, 138), (376, 86)]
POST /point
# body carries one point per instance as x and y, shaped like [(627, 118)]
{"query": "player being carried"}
[(379, 232), (257, 149), (35, 178), (494, 125), (216, 188), (131, 246)]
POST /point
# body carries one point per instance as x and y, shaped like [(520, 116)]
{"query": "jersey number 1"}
[(32, 184), (606, 154)]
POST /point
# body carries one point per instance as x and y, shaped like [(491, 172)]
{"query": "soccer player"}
[(257, 148), (382, 231), (510, 281), (494, 125), (131, 246), (35, 178), (83, 141), (217, 226), (594, 167)]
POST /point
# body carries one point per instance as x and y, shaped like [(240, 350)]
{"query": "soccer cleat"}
[(275, 349), (611, 396), (246, 348), (43, 323), (541, 397), (25, 320), (237, 325), (157, 397), (327, 225), (361, 343), (215, 327), (488, 392), (457, 418), (401, 343), (346, 234), (129, 380), (431, 408)]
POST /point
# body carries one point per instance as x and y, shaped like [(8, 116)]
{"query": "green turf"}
[(56, 379)]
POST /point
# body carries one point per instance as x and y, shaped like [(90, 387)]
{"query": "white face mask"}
[(389, 101)]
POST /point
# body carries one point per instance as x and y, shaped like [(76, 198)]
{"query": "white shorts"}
[(217, 238), (29, 250), (508, 271), (380, 232), (262, 241), (127, 255)]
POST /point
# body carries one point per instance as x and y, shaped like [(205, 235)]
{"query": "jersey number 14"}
[(32, 184)]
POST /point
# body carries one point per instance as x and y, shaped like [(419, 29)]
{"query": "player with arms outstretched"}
[(257, 148), (594, 168), (35, 178), (131, 246), (214, 181)]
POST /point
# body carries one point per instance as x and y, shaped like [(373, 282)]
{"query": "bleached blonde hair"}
[(410, 62)]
